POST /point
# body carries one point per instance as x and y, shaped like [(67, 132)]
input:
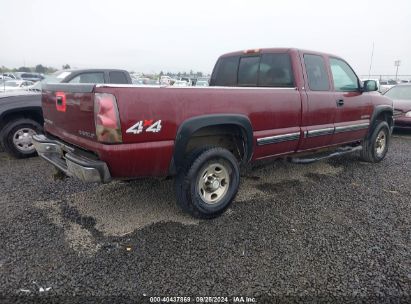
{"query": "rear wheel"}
[(375, 147), (208, 182), (16, 137)]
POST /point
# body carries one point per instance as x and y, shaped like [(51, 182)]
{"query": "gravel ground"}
[(336, 230)]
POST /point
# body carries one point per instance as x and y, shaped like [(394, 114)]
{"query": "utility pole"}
[(372, 55), (397, 63)]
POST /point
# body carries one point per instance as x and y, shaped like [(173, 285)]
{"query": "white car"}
[(181, 83), (385, 85), (165, 80), (13, 85), (202, 83), (5, 77)]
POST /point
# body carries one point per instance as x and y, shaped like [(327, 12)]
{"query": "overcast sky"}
[(150, 36)]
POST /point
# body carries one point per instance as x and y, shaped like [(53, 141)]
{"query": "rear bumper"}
[(67, 160)]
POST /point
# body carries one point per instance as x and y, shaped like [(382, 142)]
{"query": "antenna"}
[(372, 55)]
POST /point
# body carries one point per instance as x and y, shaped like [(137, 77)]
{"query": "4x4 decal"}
[(145, 125)]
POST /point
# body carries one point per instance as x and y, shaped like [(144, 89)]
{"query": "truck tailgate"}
[(68, 110)]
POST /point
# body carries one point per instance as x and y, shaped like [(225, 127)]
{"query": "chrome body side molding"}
[(278, 138), (352, 127), (319, 132), (332, 130)]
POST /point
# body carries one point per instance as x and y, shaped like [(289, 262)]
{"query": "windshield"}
[(399, 92), (56, 77)]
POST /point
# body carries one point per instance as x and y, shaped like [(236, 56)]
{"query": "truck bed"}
[(172, 106)]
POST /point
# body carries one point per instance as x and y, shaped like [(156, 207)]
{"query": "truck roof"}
[(92, 70), (275, 50)]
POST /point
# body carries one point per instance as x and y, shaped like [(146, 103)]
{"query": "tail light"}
[(61, 105), (107, 121)]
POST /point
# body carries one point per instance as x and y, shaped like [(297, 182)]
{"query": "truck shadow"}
[(120, 208), (271, 177)]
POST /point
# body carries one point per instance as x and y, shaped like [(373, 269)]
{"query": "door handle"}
[(340, 102)]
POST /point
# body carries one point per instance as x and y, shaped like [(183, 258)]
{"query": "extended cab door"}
[(352, 106), (318, 107)]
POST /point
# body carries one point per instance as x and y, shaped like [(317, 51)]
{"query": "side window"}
[(88, 78), (316, 73), (344, 77), (248, 71), (275, 71), (225, 73), (118, 77)]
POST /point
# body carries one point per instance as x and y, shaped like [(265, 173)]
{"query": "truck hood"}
[(20, 93), (19, 100)]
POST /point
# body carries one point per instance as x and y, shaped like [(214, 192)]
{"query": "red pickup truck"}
[(262, 103)]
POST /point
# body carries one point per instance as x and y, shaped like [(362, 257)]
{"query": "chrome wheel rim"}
[(380, 143), (22, 140), (213, 183)]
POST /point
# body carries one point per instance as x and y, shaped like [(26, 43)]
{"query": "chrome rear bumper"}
[(64, 158)]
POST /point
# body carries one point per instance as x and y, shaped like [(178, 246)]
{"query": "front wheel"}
[(208, 182), (375, 147)]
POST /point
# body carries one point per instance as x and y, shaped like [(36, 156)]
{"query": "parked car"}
[(401, 95), (166, 80), (114, 76), (202, 83), (181, 83), (7, 76), (20, 118), (13, 85), (21, 115), (187, 80), (261, 104), (29, 76), (386, 85)]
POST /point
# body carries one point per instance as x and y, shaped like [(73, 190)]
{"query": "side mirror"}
[(370, 86)]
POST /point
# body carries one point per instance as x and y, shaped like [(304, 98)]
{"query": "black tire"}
[(370, 152), (191, 197), (27, 126)]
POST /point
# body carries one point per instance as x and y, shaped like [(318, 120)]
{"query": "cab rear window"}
[(266, 70), (118, 77), (248, 71), (225, 73)]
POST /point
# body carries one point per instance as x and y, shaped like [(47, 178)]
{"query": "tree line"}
[(38, 69), (49, 70)]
